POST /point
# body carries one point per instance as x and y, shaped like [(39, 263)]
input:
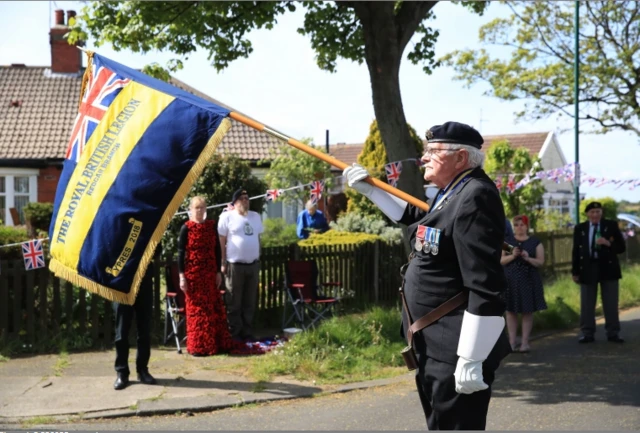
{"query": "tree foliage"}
[(290, 167), (540, 68), (373, 32), (502, 160), (222, 176), (374, 157)]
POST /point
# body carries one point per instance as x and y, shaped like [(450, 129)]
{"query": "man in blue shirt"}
[(311, 220)]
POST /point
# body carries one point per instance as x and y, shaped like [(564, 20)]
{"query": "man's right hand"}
[(223, 269), (183, 284), (355, 176), (576, 278)]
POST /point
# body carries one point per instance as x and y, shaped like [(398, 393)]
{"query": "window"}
[(18, 187)]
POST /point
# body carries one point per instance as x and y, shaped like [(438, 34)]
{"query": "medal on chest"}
[(428, 240)]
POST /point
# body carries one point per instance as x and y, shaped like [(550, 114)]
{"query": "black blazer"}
[(607, 260), (472, 222)]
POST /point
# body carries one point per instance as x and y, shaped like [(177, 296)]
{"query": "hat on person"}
[(593, 205), (237, 194), (455, 132)]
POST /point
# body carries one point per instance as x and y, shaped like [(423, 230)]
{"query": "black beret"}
[(593, 205), (454, 132), (237, 194)]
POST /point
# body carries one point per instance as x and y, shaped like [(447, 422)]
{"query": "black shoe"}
[(615, 339), (121, 382), (146, 378), (586, 339)]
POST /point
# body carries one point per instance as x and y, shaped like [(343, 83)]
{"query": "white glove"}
[(469, 377), (392, 206), (477, 338), (355, 176)]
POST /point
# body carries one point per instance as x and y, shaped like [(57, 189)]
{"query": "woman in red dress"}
[(200, 280)]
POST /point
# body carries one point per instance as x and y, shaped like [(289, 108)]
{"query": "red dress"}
[(207, 327)]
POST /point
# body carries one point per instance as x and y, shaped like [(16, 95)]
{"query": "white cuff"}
[(392, 206), (478, 336)]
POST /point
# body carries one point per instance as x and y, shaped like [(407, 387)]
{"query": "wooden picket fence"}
[(37, 308)]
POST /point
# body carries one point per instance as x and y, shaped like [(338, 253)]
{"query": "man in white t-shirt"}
[(239, 230)]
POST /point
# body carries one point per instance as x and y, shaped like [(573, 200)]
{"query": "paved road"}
[(560, 385)]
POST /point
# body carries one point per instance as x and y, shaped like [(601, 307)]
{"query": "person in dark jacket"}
[(457, 248), (596, 245), (142, 309)]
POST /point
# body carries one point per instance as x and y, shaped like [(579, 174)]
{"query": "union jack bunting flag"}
[(317, 186), (393, 170), (523, 182), (33, 255), (499, 183), (273, 194), (511, 184), (102, 89), (635, 184)]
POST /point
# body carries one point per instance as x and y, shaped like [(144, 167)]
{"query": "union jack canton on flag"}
[(104, 85), (33, 255)]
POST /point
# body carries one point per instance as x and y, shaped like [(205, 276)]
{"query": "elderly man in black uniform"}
[(596, 244), (458, 245)]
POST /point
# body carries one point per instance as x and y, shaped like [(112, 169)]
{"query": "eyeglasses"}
[(428, 152)]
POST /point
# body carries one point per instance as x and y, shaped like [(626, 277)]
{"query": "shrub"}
[(11, 235), (359, 223), (333, 237), (277, 233), (38, 216)]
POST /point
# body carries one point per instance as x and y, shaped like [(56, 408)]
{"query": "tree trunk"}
[(383, 54)]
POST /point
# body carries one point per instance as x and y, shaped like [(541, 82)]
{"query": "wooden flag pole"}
[(328, 159), (337, 163)]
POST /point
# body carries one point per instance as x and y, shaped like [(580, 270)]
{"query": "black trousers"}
[(142, 309), (443, 407), (609, 290)]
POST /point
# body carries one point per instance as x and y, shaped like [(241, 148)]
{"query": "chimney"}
[(65, 58)]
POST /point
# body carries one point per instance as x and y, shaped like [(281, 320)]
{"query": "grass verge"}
[(367, 345)]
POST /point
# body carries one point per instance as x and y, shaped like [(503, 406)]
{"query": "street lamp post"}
[(576, 92)]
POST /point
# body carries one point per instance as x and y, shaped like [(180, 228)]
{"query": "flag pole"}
[(328, 159)]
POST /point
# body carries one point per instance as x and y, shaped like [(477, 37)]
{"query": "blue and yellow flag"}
[(137, 147)]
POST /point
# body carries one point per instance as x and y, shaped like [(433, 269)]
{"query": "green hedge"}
[(333, 237), (12, 235)]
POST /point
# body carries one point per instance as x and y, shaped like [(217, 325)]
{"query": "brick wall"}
[(47, 183)]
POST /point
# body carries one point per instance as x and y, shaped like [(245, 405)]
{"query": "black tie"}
[(593, 241)]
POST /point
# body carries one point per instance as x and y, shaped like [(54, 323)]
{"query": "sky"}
[(280, 85)]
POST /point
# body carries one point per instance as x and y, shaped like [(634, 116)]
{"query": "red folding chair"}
[(309, 305)]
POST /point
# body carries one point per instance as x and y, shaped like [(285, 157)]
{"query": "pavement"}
[(80, 386)]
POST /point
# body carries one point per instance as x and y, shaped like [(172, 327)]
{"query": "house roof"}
[(347, 153), (38, 109), (533, 141)]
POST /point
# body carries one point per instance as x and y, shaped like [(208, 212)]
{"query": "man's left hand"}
[(603, 241), (468, 376)]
